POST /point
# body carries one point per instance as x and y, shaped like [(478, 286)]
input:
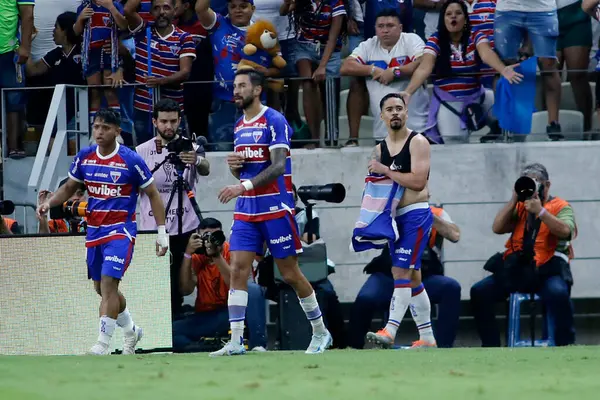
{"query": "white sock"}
[(237, 303), (398, 305), (124, 321), (107, 327), (313, 313), (420, 308)]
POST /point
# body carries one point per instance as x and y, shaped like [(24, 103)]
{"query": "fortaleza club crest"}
[(115, 175)]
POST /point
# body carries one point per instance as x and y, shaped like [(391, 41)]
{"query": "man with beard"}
[(404, 157), (172, 54), (264, 210), (166, 120)]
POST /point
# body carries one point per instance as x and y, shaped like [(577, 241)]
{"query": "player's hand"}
[(511, 75), (42, 209), (230, 192), (319, 74), (375, 167), (162, 241), (386, 76), (153, 81), (235, 160), (188, 157)]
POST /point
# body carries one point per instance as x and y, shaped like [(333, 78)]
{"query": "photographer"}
[(536, 259), (179, 153), (205, 266), (69, 224)]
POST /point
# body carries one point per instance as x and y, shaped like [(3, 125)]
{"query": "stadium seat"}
[(570, 121), (514, 324)]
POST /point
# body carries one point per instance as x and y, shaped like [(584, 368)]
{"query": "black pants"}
[(177, 245)]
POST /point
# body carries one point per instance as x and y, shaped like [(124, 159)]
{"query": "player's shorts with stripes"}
[(110, 259), (280, 235), (414, 226)]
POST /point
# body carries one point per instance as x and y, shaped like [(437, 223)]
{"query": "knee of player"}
[(291, 276)]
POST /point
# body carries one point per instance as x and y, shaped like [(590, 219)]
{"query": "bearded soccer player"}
[(113, 176), (404, 157), (263, 210)]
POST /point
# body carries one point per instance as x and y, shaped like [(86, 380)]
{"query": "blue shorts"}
[(98, 61), (15, 99), (288, 52), (109, 259), (281, 236), (308, 51), (414, 226), (510, 27)]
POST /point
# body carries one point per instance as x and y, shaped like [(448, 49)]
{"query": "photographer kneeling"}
[(205, 266), (166, 154), (536, 259)]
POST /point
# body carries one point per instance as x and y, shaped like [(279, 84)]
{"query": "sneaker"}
[(423, 344), (99, 349), (554, 132), (130, 341), (382, 338), (259, 349), (319, 343), (230, 349)]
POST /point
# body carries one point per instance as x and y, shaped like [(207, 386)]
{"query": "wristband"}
[(372, 70), (248, 185), (542, 213), (186, 255), (162, 230)]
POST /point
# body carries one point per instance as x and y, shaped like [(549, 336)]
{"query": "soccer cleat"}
[(382, 338), (422, 344), (230, 349), (99, 349), (319, 343), (130, 341)]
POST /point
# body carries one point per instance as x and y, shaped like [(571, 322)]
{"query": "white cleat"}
[(319, 343), (230, 349), (130, 341), (99, 349), (259, 349)]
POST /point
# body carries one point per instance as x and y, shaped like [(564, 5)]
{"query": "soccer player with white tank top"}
[(404, 157), (113, 176), (263, 210)]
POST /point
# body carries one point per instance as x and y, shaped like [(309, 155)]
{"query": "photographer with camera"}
[(8, 226), (205, 266), (168, 155), (68, 222), (536, 259)]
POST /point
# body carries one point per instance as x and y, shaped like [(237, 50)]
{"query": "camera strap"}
[(530, 232)]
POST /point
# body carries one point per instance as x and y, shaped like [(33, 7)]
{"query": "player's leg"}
[(420, 309), (284, 243)]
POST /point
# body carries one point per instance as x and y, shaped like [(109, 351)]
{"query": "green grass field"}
[(507, 374)]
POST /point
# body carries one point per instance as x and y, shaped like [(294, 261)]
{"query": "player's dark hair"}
[(166, 105), (390, 96), (210, 223), (109, 116), (388, 12), (65, 21), (256, 78)]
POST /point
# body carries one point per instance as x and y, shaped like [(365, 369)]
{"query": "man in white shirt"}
[(390, 58), (539, 20)]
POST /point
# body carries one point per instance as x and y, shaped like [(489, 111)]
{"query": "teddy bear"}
[(262, 49)]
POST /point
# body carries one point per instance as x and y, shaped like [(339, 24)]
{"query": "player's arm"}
[(419, 160), (63, 193), (448, 229), (156, 203), (273, 171)]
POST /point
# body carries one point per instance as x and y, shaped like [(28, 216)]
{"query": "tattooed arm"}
[(376, 153), (273, 171)]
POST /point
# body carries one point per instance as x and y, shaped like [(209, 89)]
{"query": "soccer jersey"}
[(101, 24), (255, 139), (194, 28), (144, 11), (481, 16), (166, 53), (315, 26), (458, 84), (112, 183), (227, 45)]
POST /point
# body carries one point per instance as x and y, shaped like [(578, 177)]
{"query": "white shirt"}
[(526, 5), (269, 10), (408, 48), (563, 3), (44, 15), (357, 11)]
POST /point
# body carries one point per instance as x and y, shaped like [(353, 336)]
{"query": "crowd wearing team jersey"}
[(103, 42)]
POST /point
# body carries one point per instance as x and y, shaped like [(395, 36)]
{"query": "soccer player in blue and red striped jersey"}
[(264, 210), (172, 54), (113, 176)]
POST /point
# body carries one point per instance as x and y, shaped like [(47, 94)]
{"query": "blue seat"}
[(514, 324)]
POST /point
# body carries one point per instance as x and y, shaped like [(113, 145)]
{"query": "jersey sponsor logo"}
[(115, 175), (115, 259), (248, 152), (104, 190), (139, 170), (402, 250), (281, 239), (395, 167), (100, 175)]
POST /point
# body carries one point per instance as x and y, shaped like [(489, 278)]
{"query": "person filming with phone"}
[(536, 259)]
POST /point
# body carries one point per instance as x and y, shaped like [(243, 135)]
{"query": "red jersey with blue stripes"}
[(144, 11), (255, 139), (459, 85), (315, 26), (166, 53), (101, 23), (112, 184), (194, 28)]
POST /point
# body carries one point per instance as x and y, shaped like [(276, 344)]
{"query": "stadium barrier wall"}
[(49, 307)]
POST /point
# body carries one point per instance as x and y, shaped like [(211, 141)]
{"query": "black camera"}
[(7, 207), (216, 238), (69, 209), (526, 187), (331, 193), (179, 145)]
